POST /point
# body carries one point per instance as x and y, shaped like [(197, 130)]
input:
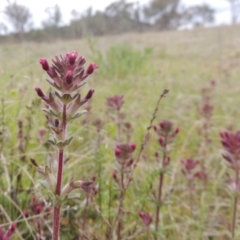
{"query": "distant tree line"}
[(119, 17)]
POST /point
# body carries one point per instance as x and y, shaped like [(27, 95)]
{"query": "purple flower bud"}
[(44, 63), (38, 209), (13, 226), (177, 130), (72, 57), (94, 178), (69, 77), (201, 175), (166, 126), (222, 134), (161, 140), (89, 94), (117, 152), (114, 174), (167, 161), (39, 92), (25, 213), (41, 132), (130, 162), (133, 146), (82, 60), (123, 152), (115, 102), (146, 218), (189, 164), (10, 231), (56, 123), (91, 68)]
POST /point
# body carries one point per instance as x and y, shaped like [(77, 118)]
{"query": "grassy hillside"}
[(139, 67)]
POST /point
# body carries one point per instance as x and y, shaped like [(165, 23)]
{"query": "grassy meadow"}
[(139, 67)]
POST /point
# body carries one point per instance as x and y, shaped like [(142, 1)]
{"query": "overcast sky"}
[(37, 7)]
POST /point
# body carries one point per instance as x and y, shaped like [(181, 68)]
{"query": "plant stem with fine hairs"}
[(57, 208), (159, 197), (235, 205)]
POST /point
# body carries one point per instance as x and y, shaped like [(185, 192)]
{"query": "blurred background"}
[(191, 47), (24, 20)]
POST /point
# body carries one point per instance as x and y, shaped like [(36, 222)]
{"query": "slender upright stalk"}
[(59, 172), (123, 153), (159, 202), (159, 197), (230, 142), (57, 208), (119, 214), (190, 174), (118, 127), (147, 233), (143, 145), (190, 186), (99, 161), (84, 218), (235, 205), (56, 222), (166, 134), (109, 231)]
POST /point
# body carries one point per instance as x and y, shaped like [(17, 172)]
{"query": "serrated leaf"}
[(49, 111), (69, 140), (51, 142), (53, 84), (77, 115)]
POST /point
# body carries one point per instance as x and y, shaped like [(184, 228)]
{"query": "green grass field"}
[(140, 67)]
